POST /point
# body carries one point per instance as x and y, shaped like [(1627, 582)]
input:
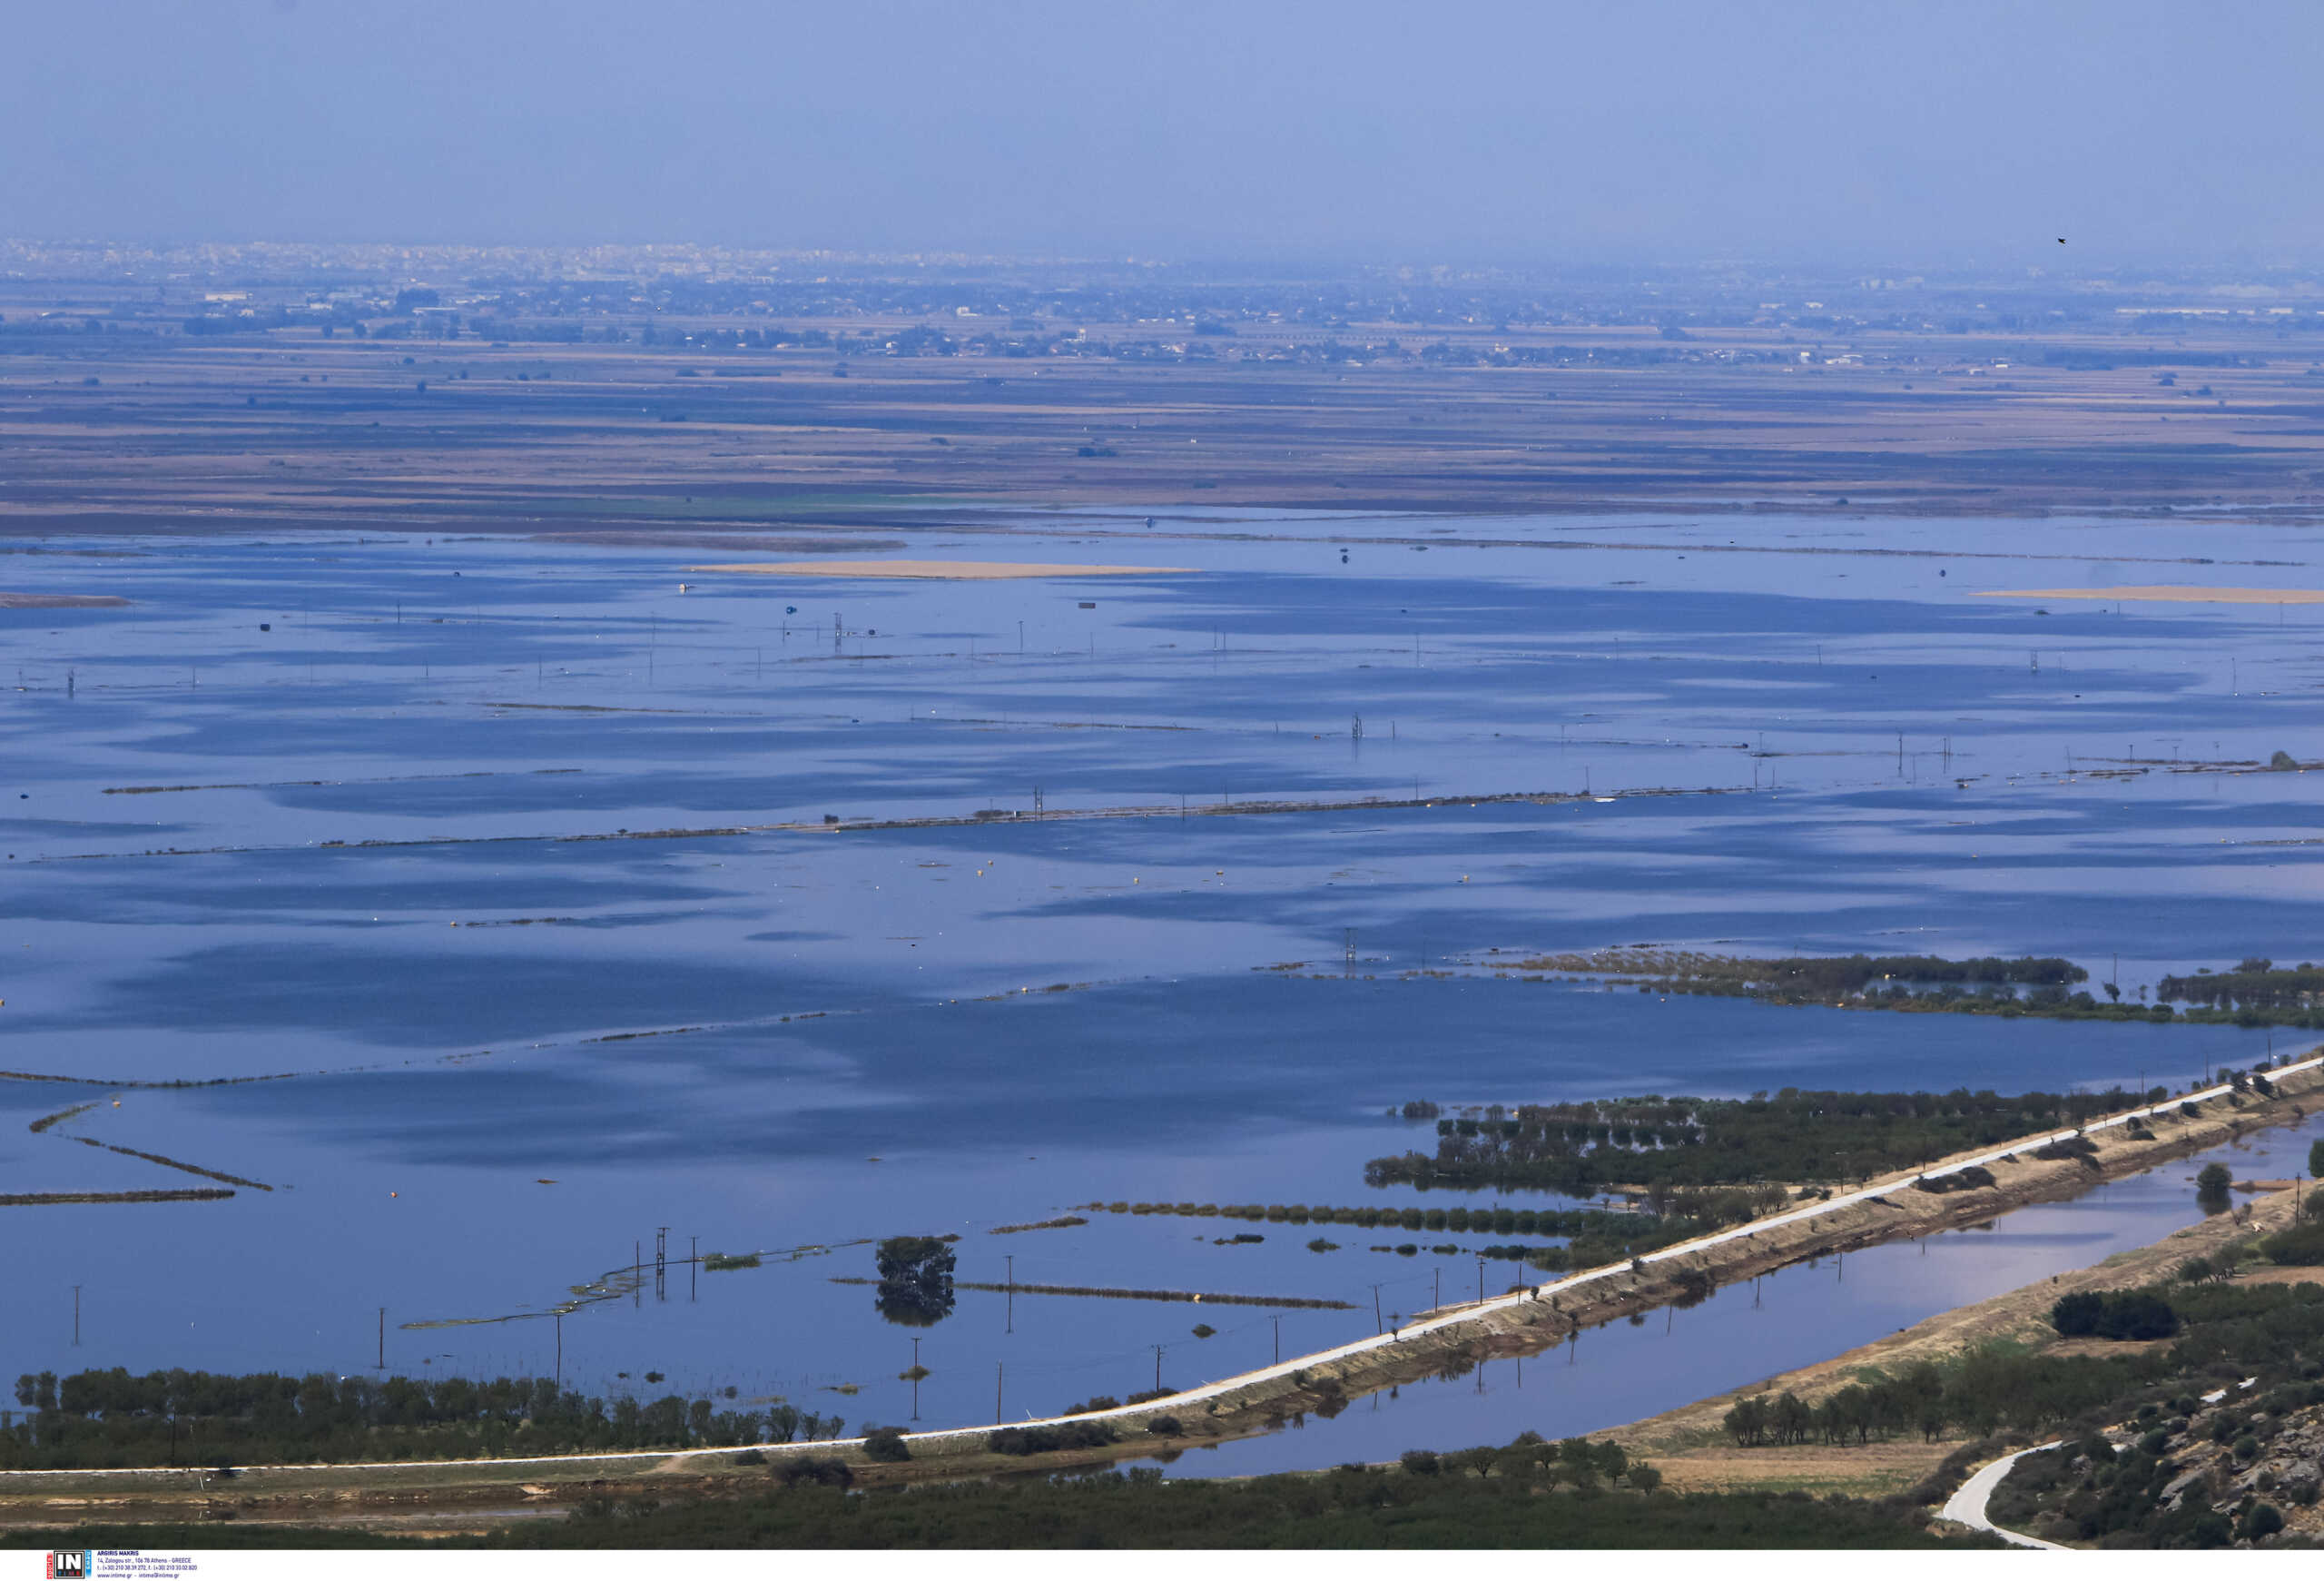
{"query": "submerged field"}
[(503, 905)]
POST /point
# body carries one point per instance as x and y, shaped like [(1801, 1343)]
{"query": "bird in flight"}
[(2061, 241)]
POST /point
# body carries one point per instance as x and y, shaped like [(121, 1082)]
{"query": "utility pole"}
[(76, 1313), (1158, 1366), (1278, 1323), (383, 1339), (661, 1261), (1000, 1372), (694, 1265), (1012, 1295), (560, 1349), (1379, 1325)]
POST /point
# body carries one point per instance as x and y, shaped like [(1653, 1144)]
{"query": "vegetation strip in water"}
[(615, 1283), (58, 1199), (1598, 1235), (832, 825), (1675, 1146), (1207, 1297), (1069, 1221), (168, 1162), (2258, 987), (2256, 993)]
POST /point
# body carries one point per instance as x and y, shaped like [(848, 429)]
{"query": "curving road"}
[(1967, 1508)]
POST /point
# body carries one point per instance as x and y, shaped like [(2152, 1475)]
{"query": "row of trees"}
[(1498, 1221), (115, 1417), (1809, 979), (2115, 1314), (1680, 1144), (1984, 1392), (2256, 983)]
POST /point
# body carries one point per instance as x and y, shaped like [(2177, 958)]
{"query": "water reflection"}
[(483, 853), (1753, 1330)]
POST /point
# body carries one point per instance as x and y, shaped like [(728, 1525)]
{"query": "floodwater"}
[(389, 853)]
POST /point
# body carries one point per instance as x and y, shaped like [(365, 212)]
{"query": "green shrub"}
[(2115, 1314), (1037, 1440), (2302, 1246)]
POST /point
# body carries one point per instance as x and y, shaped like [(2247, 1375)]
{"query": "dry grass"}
[(1871, 1471)]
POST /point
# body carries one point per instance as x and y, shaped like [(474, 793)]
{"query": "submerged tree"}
[(915, 1279), (2211, 1185)]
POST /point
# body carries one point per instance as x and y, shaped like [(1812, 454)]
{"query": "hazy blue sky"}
[(1866, 132)]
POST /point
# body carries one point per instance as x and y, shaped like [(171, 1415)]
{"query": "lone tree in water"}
[(2211, 1182), (915, 1279)]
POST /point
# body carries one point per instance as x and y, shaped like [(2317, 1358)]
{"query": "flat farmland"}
[(162, 430)]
